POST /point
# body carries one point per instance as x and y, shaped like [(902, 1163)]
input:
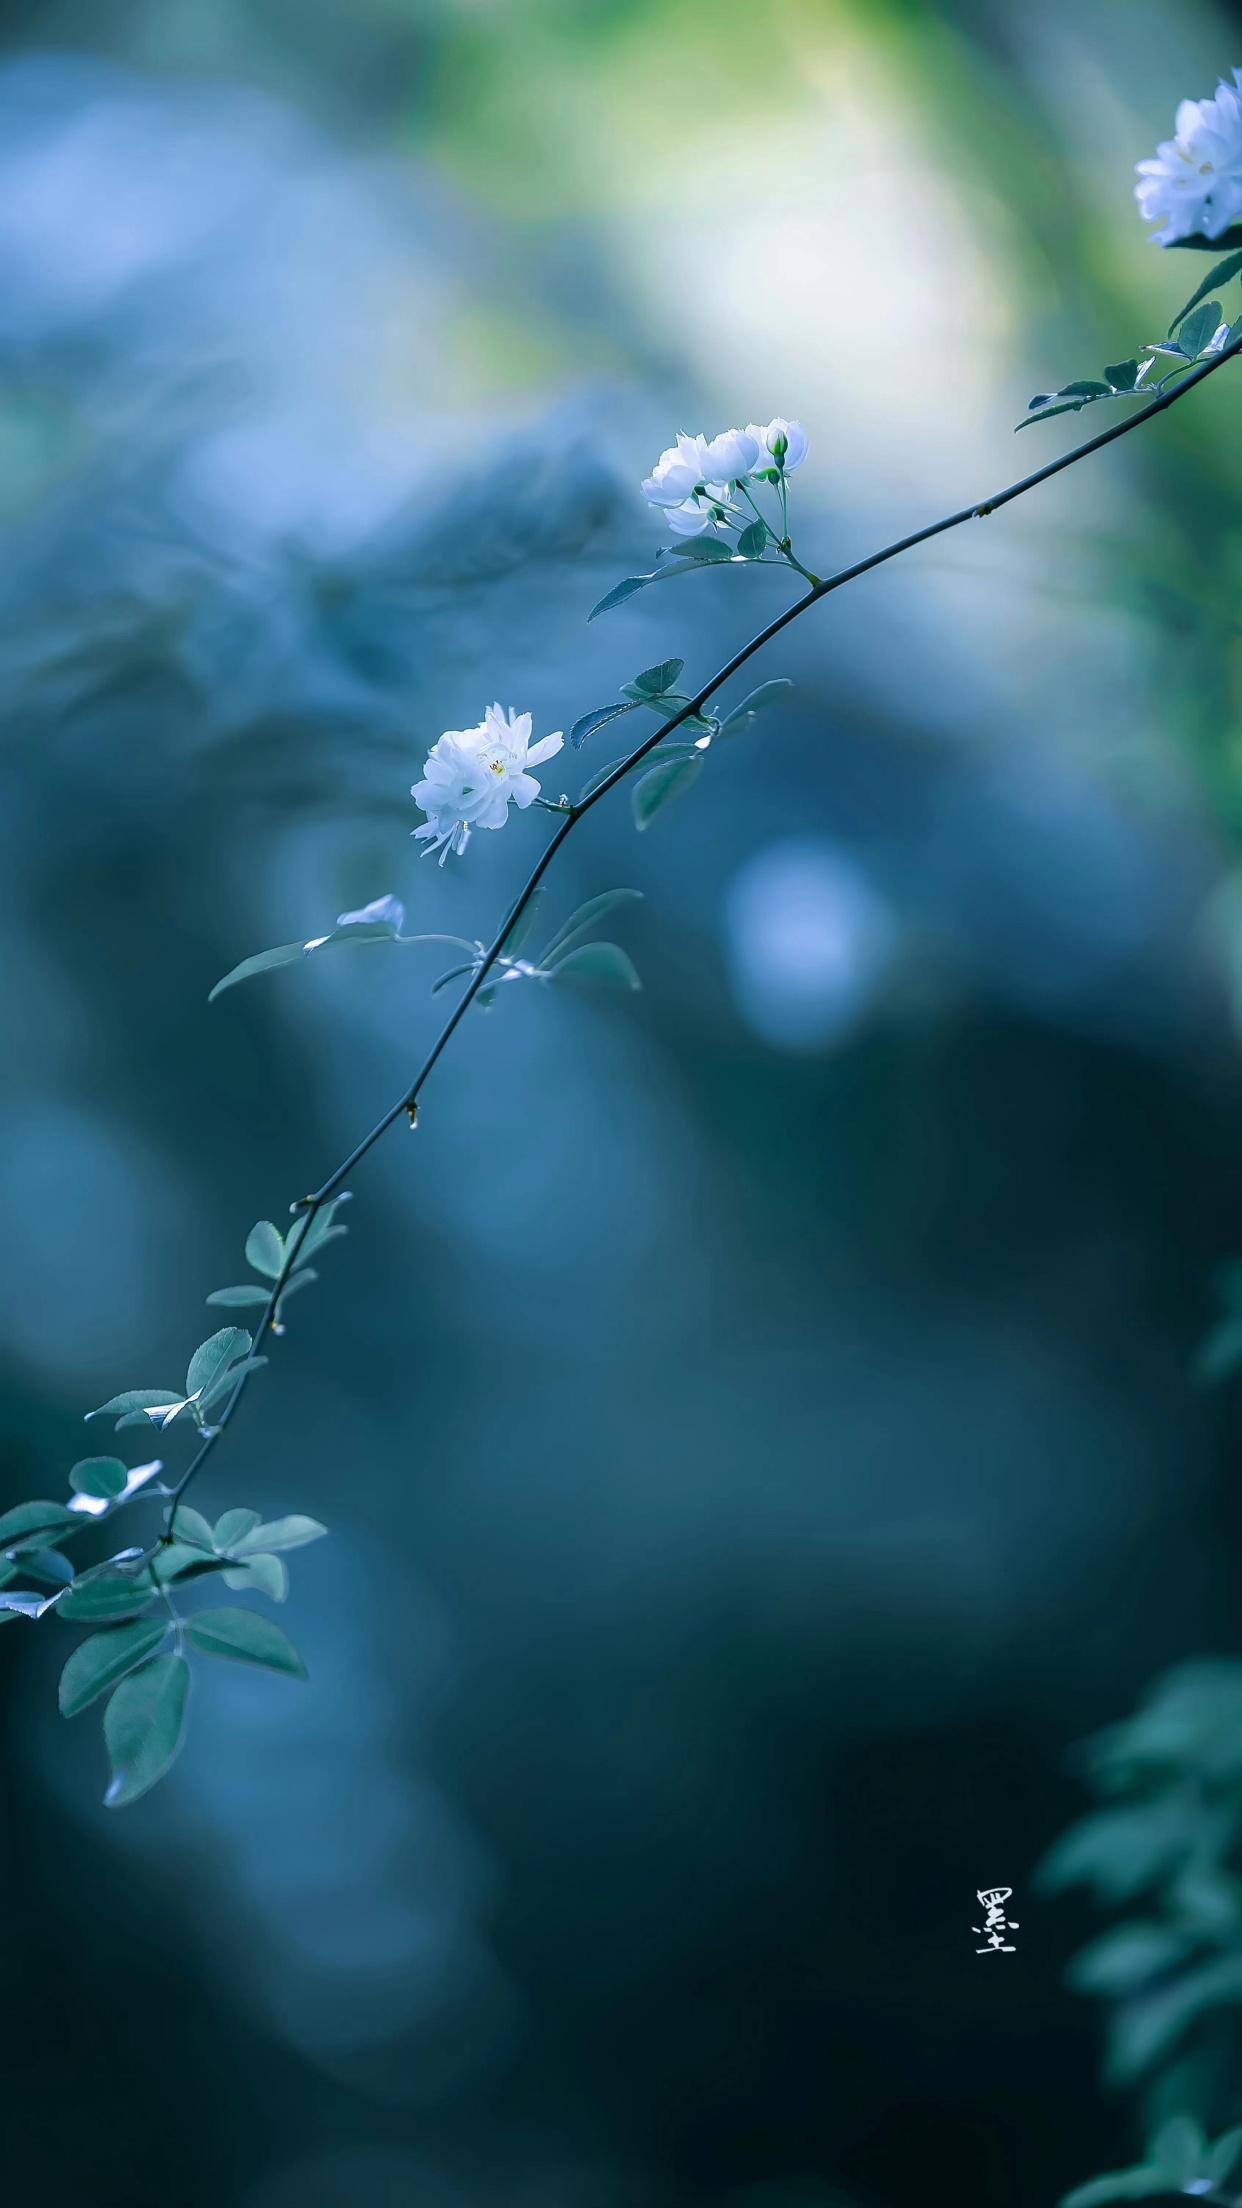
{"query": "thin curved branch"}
[(407, 1103)]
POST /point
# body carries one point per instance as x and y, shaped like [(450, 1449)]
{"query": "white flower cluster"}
[(1194, 185), (694, 480), (472, 775)]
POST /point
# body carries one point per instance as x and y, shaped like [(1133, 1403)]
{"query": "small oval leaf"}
[(105, 1658), (671, 779), (99, 1476), (265, 1248), (587, 724), (602, 965), (233, 1527), (586, 917), (213, 1357), (144, 1725), (26, 1520), (263, 962), (279, 1533), (654, 681), (245, 1637), (107, 1597), (263, 1575)]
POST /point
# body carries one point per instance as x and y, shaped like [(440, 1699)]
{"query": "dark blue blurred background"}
[(753, 1419)]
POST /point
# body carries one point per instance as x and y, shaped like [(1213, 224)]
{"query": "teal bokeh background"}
[(754, 1421)]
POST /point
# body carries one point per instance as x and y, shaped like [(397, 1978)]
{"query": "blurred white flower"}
[(472, 774), (766, 436), (810, 942), (1194, 185)]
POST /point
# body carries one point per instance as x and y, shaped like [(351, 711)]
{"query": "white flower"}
[(696, 475), (1194, 185), (690, 519), (678, 472), (732, 455), (472, 774), (766, 434)]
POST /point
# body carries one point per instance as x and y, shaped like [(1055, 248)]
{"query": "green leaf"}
[(233, 1527), (1223, 273), (1118, 1851), (1088, 388), (654, 681), (189, 1526), (237, 1299), (349, 929), (1143, 2182), (262, 962), (587, 723), (600, 775), (1072, 406), (320, 1229), (753, 541), (702, 551), (1123, 375), (1125, 1957), (1221, 1353), (29, 1519), (135, 1399), (265, 1249), (157, 1416), (264, 1575), (1150, 2025), (106, 1596), (105, 1658), (1198, 326), (48, 1566), (1224, 2152), (99, 1476), (19, 1602), (602, 965), (617, 596), (587, 917), (278, 1533), (228, 1381), (245, 1636), (524, 926), (214, 1356), (1198, 244), (183, 1560), (684, 559), (1179, 2147), (672, 778), (754, 703), (455, 973), (144, 1725)]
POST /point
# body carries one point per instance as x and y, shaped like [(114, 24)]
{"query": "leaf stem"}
[(406, 1105)]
